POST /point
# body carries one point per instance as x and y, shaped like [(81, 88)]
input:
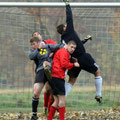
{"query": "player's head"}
[(61, 28), (37, 34), (34, 41), (71, 46)]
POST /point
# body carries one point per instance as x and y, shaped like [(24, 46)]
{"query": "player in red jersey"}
[(61, 62)]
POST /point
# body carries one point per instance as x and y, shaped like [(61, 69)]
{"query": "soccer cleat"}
[(34, 117), (98, 99), (88, 37)]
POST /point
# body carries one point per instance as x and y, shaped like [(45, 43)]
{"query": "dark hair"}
[(72, 42), (34, 33), (60, 29), (34, 39)]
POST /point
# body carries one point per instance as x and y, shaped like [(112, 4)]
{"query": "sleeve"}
[(53, 47), (33, 54), (84, 41), (65, 60), (69, 18)]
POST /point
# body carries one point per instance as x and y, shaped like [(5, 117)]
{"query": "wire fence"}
[(17, 71)]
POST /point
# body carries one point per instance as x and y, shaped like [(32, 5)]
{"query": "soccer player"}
[(85, 60), (61, 62), (39, 54), (49, 41), (47, 97)]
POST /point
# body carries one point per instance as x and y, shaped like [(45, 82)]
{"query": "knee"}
[(72, 81), (55, 103), (97, 73), (48, 89), (61, 103)]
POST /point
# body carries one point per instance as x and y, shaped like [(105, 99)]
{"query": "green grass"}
[(76, 100), (86, 101)]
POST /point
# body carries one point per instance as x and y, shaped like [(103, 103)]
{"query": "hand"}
[(88, 37), (46, 63), (66, 2), (76, 64), (73, 60), (51, 55)]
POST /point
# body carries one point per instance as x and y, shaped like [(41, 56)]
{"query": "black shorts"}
[(40, 77), (58, 86), (87, 63)]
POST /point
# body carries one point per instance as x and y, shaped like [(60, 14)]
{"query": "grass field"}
[(80, 98)]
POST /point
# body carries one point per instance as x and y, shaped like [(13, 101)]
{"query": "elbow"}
[(65, 65), (31, 57)]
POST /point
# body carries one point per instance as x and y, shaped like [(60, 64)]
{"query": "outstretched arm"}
[(53, 47), (69, 17)]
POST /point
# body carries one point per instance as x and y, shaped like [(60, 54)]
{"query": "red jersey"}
[(61, 62), (50, 42)]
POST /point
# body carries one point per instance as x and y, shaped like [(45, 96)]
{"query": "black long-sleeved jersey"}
[(70, 34)]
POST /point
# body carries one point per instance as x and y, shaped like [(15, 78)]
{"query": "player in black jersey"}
[(85, 60)]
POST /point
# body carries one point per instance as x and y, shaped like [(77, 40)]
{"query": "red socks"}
[(62, 113), (50, 102), (51, 113), (46, 99)]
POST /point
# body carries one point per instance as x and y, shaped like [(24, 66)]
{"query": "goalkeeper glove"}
[(66, 2), (88, 37)]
